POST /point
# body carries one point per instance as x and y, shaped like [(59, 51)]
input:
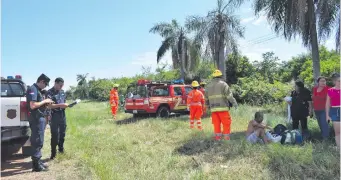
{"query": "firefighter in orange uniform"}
[(218, 98), (202, 90), (195, 104), (114, 100)]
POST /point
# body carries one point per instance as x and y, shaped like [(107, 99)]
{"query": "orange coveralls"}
[(195, 102), (221, 118), (202, 90), (114, 101)]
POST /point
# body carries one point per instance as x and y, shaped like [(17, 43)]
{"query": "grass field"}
[(99, 148)]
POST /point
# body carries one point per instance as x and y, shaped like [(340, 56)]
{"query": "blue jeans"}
[(322, 122), (37, 125)]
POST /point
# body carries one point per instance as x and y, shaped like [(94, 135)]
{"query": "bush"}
[(259, 92)]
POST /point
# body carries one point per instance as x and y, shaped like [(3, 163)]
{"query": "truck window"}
[(160, 91), (188, 89), (177, 91), (12, 89), (137, 92)]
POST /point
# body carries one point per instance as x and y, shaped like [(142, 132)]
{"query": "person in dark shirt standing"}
[(37, 106), (301, 107), (58, 119)]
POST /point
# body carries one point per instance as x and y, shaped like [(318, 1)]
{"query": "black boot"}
[(53, 154), (44, 165), (37, 167)]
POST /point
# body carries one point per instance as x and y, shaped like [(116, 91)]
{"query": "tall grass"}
[(168, 149)]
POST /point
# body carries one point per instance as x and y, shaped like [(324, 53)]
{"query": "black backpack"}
[(279, 129)]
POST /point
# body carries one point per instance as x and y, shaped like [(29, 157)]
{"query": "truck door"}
[(136, 98), (11, 95), (179, 98), (129, 97)]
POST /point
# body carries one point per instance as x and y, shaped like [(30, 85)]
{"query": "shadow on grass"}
[(205, 145), (131, 120), (13, 162), (15, 166)]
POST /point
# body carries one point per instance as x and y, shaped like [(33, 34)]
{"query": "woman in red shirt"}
[(319, 103)]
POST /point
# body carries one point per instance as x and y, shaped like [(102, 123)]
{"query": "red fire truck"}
[(160, 98)]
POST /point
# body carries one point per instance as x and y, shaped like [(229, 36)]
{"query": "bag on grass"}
[(292, 137), (279, 129)]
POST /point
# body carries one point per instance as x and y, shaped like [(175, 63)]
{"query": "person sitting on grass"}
[(256, 130)]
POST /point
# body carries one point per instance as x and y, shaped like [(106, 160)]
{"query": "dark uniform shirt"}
[(300, 102), (58, 97), (34, 94)]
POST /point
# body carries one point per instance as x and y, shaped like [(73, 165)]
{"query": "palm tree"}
[(219, 30), (175, 40), (82, 89), (81, 79), (298, 17), (328, 18)]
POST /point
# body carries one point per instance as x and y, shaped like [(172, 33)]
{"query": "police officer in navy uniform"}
[(58, 119), (37, 106)]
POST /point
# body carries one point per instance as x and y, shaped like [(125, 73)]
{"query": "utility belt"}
[(37, 113), (58, 111)]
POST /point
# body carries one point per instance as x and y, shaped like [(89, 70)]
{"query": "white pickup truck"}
[(14, 112)]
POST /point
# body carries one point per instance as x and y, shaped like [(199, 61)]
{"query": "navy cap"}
[(44, 78)]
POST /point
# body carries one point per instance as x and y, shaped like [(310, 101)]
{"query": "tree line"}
[(255, 82), (216, 34)]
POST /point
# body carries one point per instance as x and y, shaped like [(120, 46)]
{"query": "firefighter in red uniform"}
[(202, 90), (114, 100), (195, 104)]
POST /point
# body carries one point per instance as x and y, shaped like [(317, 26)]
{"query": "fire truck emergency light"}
[(18, 77)]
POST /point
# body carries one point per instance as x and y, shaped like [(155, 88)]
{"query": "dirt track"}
[(14, 165)]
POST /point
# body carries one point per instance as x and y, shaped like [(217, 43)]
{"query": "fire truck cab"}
[(160, 98)]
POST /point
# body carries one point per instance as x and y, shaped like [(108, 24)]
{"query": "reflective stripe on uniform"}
[(215, 96), (218, 134), (199, 123), (218, 109), (226, 135), (195, 103)]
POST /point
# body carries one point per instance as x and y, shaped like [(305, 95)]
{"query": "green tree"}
[(82, 90), (328, 19), (176, 40), (220, 30), (299, 17), (238, 66), (330, 63), (268, 67)]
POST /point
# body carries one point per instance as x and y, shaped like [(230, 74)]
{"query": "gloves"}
[(187, 108)]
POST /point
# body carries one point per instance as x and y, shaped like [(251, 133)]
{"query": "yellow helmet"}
[(202, 83), (195, 84), (217, 73), (116, 85)]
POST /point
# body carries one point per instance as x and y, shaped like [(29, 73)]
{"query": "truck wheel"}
[(163, 112)]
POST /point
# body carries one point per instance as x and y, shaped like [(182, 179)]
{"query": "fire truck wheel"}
[(163, 112)]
